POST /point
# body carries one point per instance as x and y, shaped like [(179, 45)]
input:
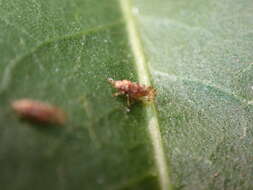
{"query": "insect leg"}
[(118, 93), (128, 100)]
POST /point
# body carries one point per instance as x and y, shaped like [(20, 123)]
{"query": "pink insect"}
[(39, 112), (133, 90)]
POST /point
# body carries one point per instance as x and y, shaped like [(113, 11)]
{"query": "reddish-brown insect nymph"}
[(39, 112), (133, 90)]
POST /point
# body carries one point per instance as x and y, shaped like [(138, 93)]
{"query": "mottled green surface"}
[(200, 55), (63, 52)]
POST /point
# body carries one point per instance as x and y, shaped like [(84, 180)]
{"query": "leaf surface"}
[(197, 135), (200, 57)]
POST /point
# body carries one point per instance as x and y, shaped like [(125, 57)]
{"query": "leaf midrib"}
[(144, 77)]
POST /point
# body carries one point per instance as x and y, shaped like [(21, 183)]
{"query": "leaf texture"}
[(196, 135)]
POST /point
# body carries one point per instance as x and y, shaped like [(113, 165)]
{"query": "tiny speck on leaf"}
[(39, 112)]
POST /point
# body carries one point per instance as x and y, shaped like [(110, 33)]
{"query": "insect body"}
[(133, 90), (39, 112)]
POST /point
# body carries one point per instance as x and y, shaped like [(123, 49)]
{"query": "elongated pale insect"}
[(39, 112), (133, 90)]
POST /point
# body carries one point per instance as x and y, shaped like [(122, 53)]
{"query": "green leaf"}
[(200, 56), (196, 135)]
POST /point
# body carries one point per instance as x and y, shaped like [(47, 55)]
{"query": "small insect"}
[(39, 112), (133, 90)]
